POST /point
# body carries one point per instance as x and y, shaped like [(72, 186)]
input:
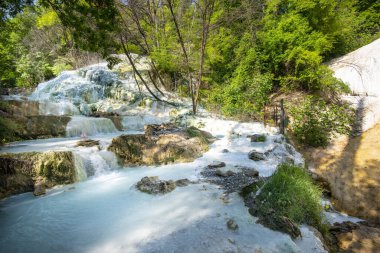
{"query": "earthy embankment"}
[(351, 166)]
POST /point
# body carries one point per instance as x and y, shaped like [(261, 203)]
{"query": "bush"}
[(315, 122), (291, 193)]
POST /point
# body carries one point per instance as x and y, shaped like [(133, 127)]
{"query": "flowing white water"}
[(105, 212), (86, 126)]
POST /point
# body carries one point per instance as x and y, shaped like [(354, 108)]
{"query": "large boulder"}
[(24, 172), (153, 185), (161, 144)]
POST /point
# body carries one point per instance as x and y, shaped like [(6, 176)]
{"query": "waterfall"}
[(57, 108), (92, 162), (87, 126)]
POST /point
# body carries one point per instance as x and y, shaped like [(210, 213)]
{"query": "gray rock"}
[(221, 173), (251, 173), (215, 165), (153, 185), (231, 224), (257, 137), (39, 187), (182, 182), (256, 155), (225, 151), (87, 143)]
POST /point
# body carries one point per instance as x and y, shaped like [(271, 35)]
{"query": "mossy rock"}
[(57, 167), (161, 144), (19, 172)]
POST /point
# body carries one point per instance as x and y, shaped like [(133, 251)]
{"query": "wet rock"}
[(221, 173), (25, 172), (229, 181), (39, 187), (182, 182), (280, 223), (251, 172), (355, 237), (87, 143), (256, 155), (322, 182), (225, 151), (232, 225), (161, 144), (257, 137), (287, 159), (153, 185), (216, 164)]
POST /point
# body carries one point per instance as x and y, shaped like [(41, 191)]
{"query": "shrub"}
[(315, 122), (291, 193)]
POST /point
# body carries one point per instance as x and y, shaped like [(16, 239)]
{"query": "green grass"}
[(291, 193), (261, 138)]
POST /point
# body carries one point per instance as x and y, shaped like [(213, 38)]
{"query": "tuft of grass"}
[(290, 192), (261, 138)]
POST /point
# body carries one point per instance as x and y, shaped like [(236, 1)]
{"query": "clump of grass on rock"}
[(288, 198)]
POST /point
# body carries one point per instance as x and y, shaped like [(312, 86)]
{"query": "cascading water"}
[(105, 213), (86, 126)]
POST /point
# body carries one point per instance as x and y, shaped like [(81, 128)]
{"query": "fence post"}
[(265, 116), (282, 118)]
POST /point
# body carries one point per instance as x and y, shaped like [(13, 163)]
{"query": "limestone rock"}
[(250, 172), (216, 164), (153, 185), (39, 187), (221, 173), (182, 182), (87, 143), (257, 137), (359, 237), (161, 144), (256, 155), (232, 225), (25, 172)]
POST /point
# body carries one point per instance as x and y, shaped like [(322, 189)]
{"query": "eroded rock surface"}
[(355, 237), (24, 172), (153, 185), (161, 144)]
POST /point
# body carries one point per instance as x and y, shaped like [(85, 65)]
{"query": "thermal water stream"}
[(105, 213)]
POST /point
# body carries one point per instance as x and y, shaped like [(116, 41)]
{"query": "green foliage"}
[(315, 122), (290, 192)]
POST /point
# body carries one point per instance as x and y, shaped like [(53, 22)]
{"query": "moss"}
[(129, 148), (261, 138), (19, 172), (203, 136), (57, 167), (162, 146)]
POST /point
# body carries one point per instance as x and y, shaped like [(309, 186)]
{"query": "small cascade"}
[(92, 162), (61, 108), (137, 122), (87, 126)]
